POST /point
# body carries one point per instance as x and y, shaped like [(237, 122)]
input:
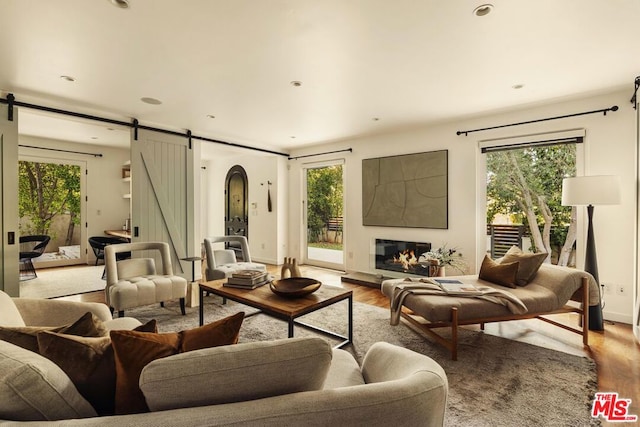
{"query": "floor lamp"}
[(590, 191)]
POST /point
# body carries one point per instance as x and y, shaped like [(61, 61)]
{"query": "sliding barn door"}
[(9, 249), (162, 194)]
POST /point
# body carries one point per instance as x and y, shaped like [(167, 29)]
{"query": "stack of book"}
[(248, 279)]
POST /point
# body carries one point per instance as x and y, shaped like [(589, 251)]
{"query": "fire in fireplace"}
[(401, 256)]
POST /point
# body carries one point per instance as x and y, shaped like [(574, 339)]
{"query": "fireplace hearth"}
[(401, 256)]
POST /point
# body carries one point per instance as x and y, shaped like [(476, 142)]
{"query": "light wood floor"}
[(615, 351)]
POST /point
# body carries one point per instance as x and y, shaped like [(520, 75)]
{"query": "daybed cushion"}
[(503, 274), (550, 290), (236, 373), (528, 263), (33, 388)]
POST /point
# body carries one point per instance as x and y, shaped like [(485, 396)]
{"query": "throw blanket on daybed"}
[(420, 287)]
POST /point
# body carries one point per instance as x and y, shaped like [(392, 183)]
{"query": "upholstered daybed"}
[(546, 293)]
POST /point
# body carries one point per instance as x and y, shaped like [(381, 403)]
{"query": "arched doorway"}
[(236, 209)]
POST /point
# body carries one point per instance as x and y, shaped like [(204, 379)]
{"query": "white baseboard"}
[(265, 261), (617, 317)]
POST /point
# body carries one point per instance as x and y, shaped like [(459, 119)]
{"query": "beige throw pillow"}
[(528, 263), (34, 388), (27, 336), (503, 274)]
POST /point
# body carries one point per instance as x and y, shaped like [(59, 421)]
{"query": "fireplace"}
[(401, 257)]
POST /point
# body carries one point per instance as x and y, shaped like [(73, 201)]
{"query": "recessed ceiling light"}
[(211, 116), (296, 83), (518, 86), (122, 4), (151, 101), (483, 10), (68, 78)]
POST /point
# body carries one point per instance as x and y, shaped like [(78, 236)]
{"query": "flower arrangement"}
[(445, 256)]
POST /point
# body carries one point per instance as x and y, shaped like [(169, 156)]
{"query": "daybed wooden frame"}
[(452, 343)]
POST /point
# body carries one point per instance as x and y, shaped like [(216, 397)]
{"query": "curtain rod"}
[(62, 151), (321, 154), (11, 102), (604, 110)]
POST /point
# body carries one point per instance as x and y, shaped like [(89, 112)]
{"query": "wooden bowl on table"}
[(294, 287)]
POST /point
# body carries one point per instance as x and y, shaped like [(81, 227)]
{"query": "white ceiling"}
[(406, 62)]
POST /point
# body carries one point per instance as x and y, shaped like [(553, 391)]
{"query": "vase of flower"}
[(442, 257)]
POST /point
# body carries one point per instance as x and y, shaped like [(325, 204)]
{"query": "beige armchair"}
[(135, 282), (222, 263)]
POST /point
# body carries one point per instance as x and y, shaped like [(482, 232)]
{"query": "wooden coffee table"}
[(284, 308)]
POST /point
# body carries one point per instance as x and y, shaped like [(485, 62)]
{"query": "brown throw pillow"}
[(503, 274), (529, 263), (27, 336), (88, 362), (134, 350)]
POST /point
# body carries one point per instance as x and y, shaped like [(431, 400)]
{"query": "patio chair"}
[(31, 247), (98, 243)]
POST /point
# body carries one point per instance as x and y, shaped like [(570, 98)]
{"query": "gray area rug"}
[(495, 382), (62, 282)]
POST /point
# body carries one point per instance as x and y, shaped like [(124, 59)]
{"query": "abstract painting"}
[(409, 190)]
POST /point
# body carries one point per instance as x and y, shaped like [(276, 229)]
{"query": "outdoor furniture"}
[(135, 282), (31, 247), (222, 263), (98, 243)]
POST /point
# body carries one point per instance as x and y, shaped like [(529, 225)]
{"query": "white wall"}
[(267, 230), (106, 208), (609, 149)]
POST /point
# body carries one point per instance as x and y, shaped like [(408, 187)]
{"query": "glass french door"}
[(51, 202), (324, 228)]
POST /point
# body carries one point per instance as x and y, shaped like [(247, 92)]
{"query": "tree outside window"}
[(324, 202), (524, 186), (48, 191)]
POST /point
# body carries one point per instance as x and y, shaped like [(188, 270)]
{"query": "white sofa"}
[(288, 382)]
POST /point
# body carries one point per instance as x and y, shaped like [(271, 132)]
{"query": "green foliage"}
[(447, 256), (324, 199), (46, 190), (543, 169)]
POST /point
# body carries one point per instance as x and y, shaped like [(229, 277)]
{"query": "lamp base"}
[(596, 322)]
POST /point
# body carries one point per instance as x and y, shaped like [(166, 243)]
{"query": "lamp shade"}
[(591, 190)]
